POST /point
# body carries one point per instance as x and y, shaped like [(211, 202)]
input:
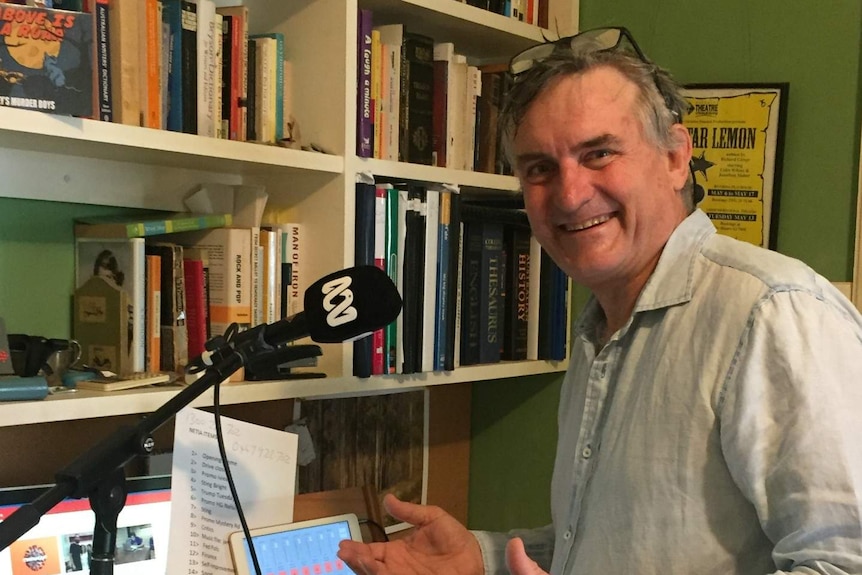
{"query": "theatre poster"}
[(737, 136)]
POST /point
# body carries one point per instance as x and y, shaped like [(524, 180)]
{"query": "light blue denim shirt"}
[(718, 432)]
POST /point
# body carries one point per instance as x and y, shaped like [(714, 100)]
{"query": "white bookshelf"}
[(91, 162)]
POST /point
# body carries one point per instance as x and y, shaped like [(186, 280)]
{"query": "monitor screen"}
[(62, 540)]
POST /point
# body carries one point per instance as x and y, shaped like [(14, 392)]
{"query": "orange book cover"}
[(153, 312), (153, 54)]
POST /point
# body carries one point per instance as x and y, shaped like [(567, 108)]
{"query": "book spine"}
[(490, 311), (471, 293), (378, 345), (438, 113), (279, 84), (251, 92), (377, 111), (206, 68), (443, 283), (153, 31), (418, 125), (103, 61), (293, 246), (239, 69), (189, 68), (193, 275), (517, 302), (152, 312), (126, 72), (404, 205), (230, 83), (429, 304), (218, 101), (391, 255), (364, 255), (364, 122)]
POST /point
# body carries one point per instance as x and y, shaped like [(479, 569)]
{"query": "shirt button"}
[(587, 452), (567, 535)]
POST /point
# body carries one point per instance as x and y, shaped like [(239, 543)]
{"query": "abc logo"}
[(337, 300)]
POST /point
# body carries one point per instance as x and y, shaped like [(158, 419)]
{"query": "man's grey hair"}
[(660, 100)]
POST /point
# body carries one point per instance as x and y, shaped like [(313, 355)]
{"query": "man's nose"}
[(574, 185)]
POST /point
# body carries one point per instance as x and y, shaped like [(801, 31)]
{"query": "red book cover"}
[(193, 272), (438, 112)]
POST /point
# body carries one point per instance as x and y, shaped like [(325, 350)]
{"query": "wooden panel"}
[(449, 449)]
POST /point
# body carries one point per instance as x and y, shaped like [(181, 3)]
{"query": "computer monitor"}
[(62, 540)]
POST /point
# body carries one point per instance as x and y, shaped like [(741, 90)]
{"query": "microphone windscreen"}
[(350, 303)]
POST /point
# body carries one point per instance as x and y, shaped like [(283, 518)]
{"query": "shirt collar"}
[(671, 281)]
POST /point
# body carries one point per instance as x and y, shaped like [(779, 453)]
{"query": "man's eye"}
[(538, 171), (595, 159)]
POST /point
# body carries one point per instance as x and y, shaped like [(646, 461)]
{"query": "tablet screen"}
[(305, 548)]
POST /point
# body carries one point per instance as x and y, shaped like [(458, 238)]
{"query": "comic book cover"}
[(46, 60)]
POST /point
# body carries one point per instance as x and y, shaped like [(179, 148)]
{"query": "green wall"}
[(815, 47), (37, 264)]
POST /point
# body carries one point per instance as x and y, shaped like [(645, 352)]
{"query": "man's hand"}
[(517, 560), (439, 544)]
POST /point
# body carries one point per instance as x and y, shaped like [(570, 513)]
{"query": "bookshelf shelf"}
[(26, 130), (464, 178), (83, 404)]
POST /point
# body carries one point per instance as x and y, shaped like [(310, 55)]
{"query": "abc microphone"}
[(343, 306)]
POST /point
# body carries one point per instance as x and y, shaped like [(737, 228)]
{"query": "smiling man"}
[(709, 421)]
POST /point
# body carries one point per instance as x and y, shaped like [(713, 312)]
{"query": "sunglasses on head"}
[(615, 39)]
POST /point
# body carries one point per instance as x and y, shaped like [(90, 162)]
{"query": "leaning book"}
[(46, 60), (148, 224)]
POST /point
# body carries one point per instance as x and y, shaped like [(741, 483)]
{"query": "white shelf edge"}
[(94, 404), (119, 140), (464, 178)]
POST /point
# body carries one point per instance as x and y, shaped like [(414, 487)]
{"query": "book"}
[(391, 39), (189, 67), (152, 313), (265, 87), (279, 82), (378, 337), (206, 67), (471, 293), (121, 261), (121, 382), (230, 38), (174, 331), (390, 248), (429, 276), (46, 60), (517, 301), (172, 17), (195, 305), (239, 68), (364, 118), (366, 196), (100, 324), (148, 224), (416, 109), (492, 270), (127, 76), (229, 251), (152, 55), (104, 98)]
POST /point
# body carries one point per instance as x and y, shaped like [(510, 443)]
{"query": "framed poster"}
[(737, 131)]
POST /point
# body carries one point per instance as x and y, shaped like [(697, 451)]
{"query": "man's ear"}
[(680, 156)]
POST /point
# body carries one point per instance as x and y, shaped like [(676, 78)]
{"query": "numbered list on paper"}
[(263, 465)]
